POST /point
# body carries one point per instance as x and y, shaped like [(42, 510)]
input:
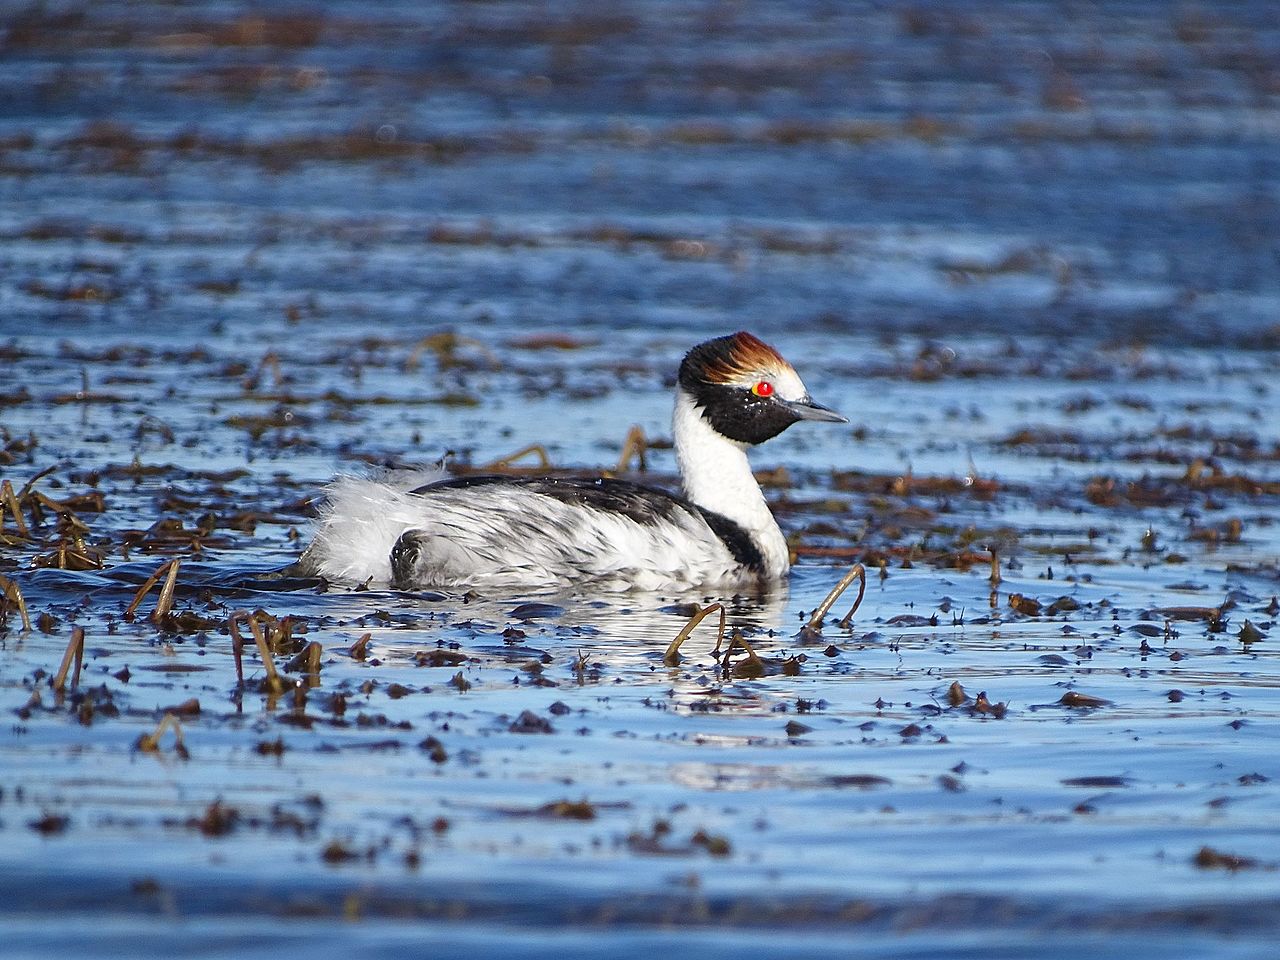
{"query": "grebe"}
[(480, 532)]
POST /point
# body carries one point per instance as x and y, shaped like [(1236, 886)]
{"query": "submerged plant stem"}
[(533, 449), (856, 572), (672, 654), (634, 447)]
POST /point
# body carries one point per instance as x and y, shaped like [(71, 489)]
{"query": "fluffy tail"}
[(360, 521)]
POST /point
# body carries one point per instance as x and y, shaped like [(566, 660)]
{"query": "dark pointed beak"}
[(807, 409)]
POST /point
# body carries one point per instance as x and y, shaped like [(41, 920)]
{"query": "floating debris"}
[(1098, 782), (1027, 606), (1250, 633), (1207, 858), (1082, 700), (530, 722)]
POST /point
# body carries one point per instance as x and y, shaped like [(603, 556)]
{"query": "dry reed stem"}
[(269, 359), (150, 742), (672, 655), (86, 558), (307, 659), (856, 572), (74, 652), (544, 460), (847, 619), (633, 447), (237, 644), (14, 596), (165, 603), (63, 512), (314, 652), (995, 568), (736, 639), (443, 346), (26, 487), (147, 584), (273, 682), (9, 498)]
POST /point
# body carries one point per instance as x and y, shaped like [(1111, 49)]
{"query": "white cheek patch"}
[(788, 386)]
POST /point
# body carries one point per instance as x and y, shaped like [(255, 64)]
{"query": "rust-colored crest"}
[(736, 358)]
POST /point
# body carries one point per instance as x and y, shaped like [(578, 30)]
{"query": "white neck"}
[(718, 477)]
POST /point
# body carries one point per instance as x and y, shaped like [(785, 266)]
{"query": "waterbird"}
[(496, 531)]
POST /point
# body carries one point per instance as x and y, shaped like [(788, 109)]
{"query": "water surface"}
[(1027, 249)]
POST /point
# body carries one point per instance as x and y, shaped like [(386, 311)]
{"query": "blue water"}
[(1028, 249)]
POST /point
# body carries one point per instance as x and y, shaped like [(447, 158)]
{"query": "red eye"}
[(763, 389)]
